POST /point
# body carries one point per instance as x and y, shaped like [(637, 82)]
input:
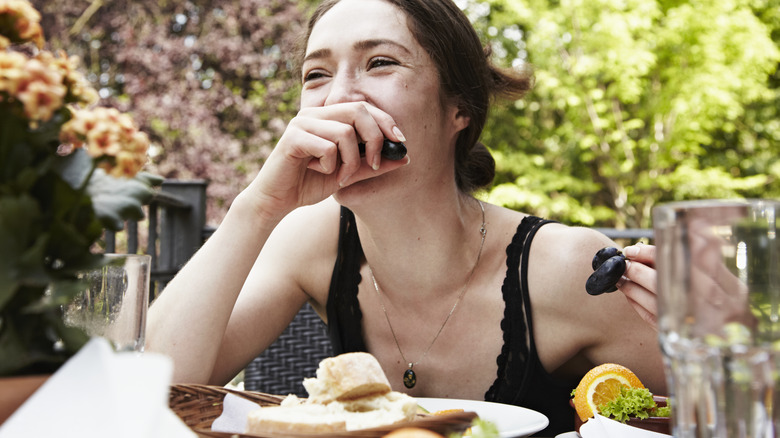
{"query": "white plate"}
[(568, 435), (511, 421)]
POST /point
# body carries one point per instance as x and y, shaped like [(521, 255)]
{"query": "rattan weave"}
[(296, 354), (199, 405)]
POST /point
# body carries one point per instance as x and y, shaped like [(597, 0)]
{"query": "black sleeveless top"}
[(521, 379)]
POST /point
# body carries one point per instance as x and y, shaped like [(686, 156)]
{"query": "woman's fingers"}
[(366, 172), (641, 273), (639, 282), (644, 254), (639, 286), (348, 124), (648, 313), (318, 154)]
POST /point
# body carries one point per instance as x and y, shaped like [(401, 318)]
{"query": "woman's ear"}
[(461, 119)]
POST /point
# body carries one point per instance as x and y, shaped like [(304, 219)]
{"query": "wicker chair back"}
[(296, 354)]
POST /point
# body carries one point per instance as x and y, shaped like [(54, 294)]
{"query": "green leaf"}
[(75, 168), (60, 293), (72, 338), (19, 243), (632, 402), (37, 343), (12, 349), (118, 199)]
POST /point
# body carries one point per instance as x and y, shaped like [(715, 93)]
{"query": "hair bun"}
[(476, 170)]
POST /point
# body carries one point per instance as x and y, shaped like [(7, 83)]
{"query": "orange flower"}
[(110, 137), (19, 23), (79, 89), (40, 90), (127, 165), (11, 70), (103, 140)]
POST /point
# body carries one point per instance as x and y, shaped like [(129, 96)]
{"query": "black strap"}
[(343, 308)]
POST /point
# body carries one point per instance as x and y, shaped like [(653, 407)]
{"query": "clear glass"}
[(115, 303), (718, 268)]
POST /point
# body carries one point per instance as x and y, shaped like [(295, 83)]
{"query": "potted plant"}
[(68, 171)]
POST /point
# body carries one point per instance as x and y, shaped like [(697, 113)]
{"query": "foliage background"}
[(636, 101), (208, 80)]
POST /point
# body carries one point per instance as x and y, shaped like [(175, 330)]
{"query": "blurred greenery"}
[(636, 102)]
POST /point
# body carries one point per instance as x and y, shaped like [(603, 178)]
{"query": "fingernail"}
[(399, 135), (375, 164), (631, 251), (343, 182)]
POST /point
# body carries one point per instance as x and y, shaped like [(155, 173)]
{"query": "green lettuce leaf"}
[(633, 402)]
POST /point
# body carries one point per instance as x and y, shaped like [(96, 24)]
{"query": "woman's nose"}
[(344, 88)]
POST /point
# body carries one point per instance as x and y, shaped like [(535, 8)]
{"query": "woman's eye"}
[(381, 62), (313, 75)]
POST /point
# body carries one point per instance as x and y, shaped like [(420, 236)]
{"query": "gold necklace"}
[(410, 378)]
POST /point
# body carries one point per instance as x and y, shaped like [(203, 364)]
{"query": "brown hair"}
[(466, 75)]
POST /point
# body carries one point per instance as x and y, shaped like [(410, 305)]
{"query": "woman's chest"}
[(450, 348)]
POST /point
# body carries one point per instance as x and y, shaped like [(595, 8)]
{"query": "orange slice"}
[(601, 385)]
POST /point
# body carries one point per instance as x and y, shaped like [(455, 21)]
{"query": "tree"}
[(636, 102), (211, 81)]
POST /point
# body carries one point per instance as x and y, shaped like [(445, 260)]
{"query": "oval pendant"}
[(410, 378)]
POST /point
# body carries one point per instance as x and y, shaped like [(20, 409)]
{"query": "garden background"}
[(636, 102)]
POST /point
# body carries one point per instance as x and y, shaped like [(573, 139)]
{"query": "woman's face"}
[(362, 50)]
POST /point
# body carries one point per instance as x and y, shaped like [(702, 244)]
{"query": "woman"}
[(455, 297)]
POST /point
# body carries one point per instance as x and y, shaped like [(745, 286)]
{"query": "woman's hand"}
[(639, 281), (318, 154)]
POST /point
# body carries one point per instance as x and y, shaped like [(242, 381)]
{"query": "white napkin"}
[(235, 410), (603, 427), (100, 393)]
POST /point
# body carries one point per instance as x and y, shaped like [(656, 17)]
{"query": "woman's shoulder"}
[(300, 252), (309, 228), (305, 241), (555, 235), (555, 248)]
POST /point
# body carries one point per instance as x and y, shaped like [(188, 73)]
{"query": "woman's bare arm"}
[(575, 330), (189, 318), (317, 154)]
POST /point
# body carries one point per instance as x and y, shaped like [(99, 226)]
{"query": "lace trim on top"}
[(343, 308), (511, 378)]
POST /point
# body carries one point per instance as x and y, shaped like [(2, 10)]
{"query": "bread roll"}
[(350, 392), (346, 377), (309, 418)]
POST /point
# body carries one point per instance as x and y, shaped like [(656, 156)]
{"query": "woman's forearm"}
[(188, 320)]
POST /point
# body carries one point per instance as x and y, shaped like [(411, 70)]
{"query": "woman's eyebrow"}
[(317, 54), (359, 46), (370, 44)]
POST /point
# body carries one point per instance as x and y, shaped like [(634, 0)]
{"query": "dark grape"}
[(603, 254), (605, 277), (391, 150)]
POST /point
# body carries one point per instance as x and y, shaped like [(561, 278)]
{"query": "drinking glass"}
[(115, 302), (718, 265)]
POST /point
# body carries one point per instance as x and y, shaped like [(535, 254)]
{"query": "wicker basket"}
[(199, 405)]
